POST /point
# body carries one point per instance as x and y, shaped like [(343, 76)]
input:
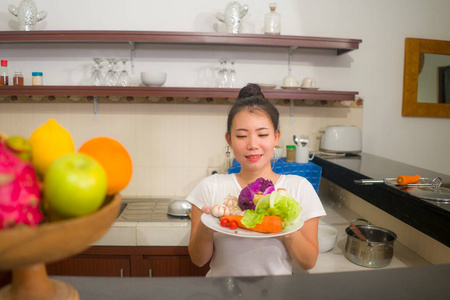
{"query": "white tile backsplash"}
[(171, 145)]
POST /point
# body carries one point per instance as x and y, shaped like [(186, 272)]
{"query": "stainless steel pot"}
[(376, 252)]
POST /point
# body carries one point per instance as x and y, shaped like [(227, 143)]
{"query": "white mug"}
[(309, 82), (290, 81), (302, 154)]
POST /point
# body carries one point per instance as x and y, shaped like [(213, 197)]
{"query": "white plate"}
[(309, 88), (267, 85), (214, 224), (290, 87)]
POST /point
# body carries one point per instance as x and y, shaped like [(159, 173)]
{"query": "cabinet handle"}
[(149, 272), (121, 272)]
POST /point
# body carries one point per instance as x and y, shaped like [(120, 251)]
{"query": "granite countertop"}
[(422, 282), (429, 217)]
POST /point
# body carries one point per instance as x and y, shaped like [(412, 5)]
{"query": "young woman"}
[(252, 132)]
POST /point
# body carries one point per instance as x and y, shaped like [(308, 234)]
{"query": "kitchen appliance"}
[(341, 139), (375, 251)]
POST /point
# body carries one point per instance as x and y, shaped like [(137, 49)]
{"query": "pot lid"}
[(440, 194)]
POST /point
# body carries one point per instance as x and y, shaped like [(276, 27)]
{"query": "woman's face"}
[(253, 138)]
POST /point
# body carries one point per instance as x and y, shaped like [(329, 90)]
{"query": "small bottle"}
[(18, 78), (4, 76), (290, 153), (272, 20), (38, 78)]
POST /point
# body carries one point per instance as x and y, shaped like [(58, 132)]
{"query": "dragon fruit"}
[(250, 195), (20, 195)]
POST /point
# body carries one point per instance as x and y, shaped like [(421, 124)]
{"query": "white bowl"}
[(327, 237), (153, 78)]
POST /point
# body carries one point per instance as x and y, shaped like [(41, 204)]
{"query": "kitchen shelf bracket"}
[(95, 108), (132, 55), (291, 103), (291, 51)]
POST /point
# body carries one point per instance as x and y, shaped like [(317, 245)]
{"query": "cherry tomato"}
[(224, 222), (233, 225)]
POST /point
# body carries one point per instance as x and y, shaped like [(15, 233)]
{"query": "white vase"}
[(27, 14)]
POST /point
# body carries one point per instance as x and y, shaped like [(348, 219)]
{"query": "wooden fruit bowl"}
[(26, 250)]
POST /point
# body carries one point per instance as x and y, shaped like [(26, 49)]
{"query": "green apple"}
[(20, 146), (75, 185)]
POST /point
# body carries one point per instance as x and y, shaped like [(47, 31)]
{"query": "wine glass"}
[(111, 78), (222, 78), (96, 78), (232, 75), (124, 78)]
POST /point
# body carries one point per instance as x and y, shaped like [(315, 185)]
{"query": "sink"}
[(122, 208), (147, 210)]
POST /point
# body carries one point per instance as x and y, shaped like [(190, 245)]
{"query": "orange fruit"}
[(114, 158)]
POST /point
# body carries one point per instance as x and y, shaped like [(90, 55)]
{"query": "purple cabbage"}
[(259, 187)]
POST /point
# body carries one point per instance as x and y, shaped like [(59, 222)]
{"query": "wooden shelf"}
[(171, 92), (168, 37)]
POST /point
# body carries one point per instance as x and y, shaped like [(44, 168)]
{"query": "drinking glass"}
[(111, 78), (97, 78), (124, 78), (232, 75)]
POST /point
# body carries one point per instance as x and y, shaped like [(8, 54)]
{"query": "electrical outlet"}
[(212, 170)]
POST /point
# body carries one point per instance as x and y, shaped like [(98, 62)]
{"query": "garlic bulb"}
[(220, 210), (232, 203)]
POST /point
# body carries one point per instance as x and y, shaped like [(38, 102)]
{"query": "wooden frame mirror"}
[(416, 51)]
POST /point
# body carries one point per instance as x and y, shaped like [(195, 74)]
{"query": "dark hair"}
[(251, 89), (254, 104)]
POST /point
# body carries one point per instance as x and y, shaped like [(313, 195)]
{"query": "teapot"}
[(27, 13), (234, 12)]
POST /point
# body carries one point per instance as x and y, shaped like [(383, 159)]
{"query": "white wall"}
[(375, 70)]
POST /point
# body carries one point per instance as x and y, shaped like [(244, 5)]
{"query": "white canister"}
[(302, 154)]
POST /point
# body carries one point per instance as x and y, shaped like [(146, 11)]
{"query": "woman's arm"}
[(303, 245), (201, 240)]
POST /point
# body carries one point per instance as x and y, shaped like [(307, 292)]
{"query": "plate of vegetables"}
[(215, 224), (259, 212)]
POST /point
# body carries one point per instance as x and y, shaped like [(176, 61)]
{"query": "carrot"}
[(269, 224), (404, 180)]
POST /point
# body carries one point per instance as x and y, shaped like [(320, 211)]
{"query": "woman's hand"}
[(303, 244), (201, 241), (206, 209)]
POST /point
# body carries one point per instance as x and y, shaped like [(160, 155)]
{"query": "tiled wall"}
[(171, 145)]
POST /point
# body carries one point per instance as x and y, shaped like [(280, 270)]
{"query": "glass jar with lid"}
[(290, 153), (272, 20), (38, 78), (18, 78)]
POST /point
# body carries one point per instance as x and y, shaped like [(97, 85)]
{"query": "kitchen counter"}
[(339, 216), (429, 217), (163, 233), (424, 282)]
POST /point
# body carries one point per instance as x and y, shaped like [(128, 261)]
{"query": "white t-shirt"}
[(236, 256)]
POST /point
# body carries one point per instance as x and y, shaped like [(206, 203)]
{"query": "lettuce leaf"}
[(274, 204)]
